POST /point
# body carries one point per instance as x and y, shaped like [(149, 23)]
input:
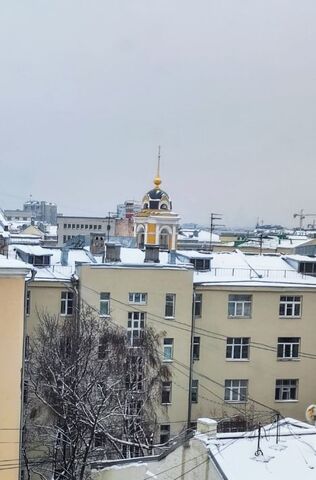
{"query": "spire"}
[(157, 179)]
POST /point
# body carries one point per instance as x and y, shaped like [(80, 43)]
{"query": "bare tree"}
[(92, 395)]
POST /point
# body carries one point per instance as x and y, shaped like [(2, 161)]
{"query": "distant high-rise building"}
[(42, 211), (128, 209)]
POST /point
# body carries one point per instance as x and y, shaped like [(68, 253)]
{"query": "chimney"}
[(207, 426), (151, 254), (113, 252), (97, 246)]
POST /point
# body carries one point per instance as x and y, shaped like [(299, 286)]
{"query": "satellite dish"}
[(310, 414)]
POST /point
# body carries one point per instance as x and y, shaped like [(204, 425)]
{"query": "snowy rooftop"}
[(293, 457), (237, 268), (9, 263)]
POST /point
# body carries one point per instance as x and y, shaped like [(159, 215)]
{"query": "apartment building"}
[(254, 337), (12, 286), (135, 293)]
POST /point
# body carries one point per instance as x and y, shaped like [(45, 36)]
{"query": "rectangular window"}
[(236, 390), (104, 304), (237, 348), (170, 305), (103, 349), (135, 327), (64, 238), (196, 348), (73, 226), (77, 226), (135, 377), (286, 390), (69, 225), (290, 306), (166, 392), (167, 349), (194, 391), (198, 305), (99, 440), (65, 225), (81, 225), (139, 298), (164, 433), (67, 303), (239, 306), (86, 226), (99, 227), (288, 348), (28, 302)]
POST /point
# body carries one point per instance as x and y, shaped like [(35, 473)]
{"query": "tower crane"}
[(301, 215)]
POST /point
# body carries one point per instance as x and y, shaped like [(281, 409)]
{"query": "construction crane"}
[(301, 215)]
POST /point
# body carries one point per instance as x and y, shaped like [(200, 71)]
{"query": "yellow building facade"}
[(12, 288)]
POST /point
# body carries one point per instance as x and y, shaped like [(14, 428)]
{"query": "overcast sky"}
[(88, 89)]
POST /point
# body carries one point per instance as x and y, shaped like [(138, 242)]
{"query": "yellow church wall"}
[(151, 233)]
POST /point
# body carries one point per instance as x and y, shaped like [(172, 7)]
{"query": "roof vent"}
[(113, 252), (151, 254)]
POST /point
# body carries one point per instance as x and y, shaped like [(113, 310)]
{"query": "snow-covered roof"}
[(293, 457), (300, 258), (237, 268), (36, 250), (193, 254), (12, 265)]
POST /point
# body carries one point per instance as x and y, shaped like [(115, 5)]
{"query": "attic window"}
[(163, 207), (39, 260), (200, 263), (308, 268)]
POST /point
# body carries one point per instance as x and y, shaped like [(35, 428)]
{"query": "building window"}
[(201, 263), (99, 227), (198, 305), (164, 433), (166, 393), (237, 348), (239, 306), (167, 349), (290, 306), (28, 302), (194, 391), (135, 327), (65, 225), (90, 227), (81, 226), (67, 303), (170, 305), (135, 376), (86, 227), (104, 304), (103, 348), (100, 440), (140, 298), (73, 226), (196, 348), (77, 226), (64, 238), (286, 390), (236, 390), (27, 347), (288, 348), (69, 225)]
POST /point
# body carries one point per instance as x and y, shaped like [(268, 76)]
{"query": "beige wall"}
[(263, 368), (12, 319), (175, 465), (45, 297), (156, 282)]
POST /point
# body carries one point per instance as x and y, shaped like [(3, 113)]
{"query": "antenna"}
[(214, 216)]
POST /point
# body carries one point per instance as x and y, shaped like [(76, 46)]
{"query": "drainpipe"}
[(191, 362), (33, 273)]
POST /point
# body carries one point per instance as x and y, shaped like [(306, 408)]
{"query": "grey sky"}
[(88, 89)]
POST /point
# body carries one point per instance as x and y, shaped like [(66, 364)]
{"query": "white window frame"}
[(66, 303), (290, 347), (195, 391), (237, 346), (196, 348), (238, 306), (164, 432), (236, 391), (140, 298), (290, 302), (170, 303), (198, 301), (105, 304), (285, 388), (166, 387), (168, 349), (135, 327)]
